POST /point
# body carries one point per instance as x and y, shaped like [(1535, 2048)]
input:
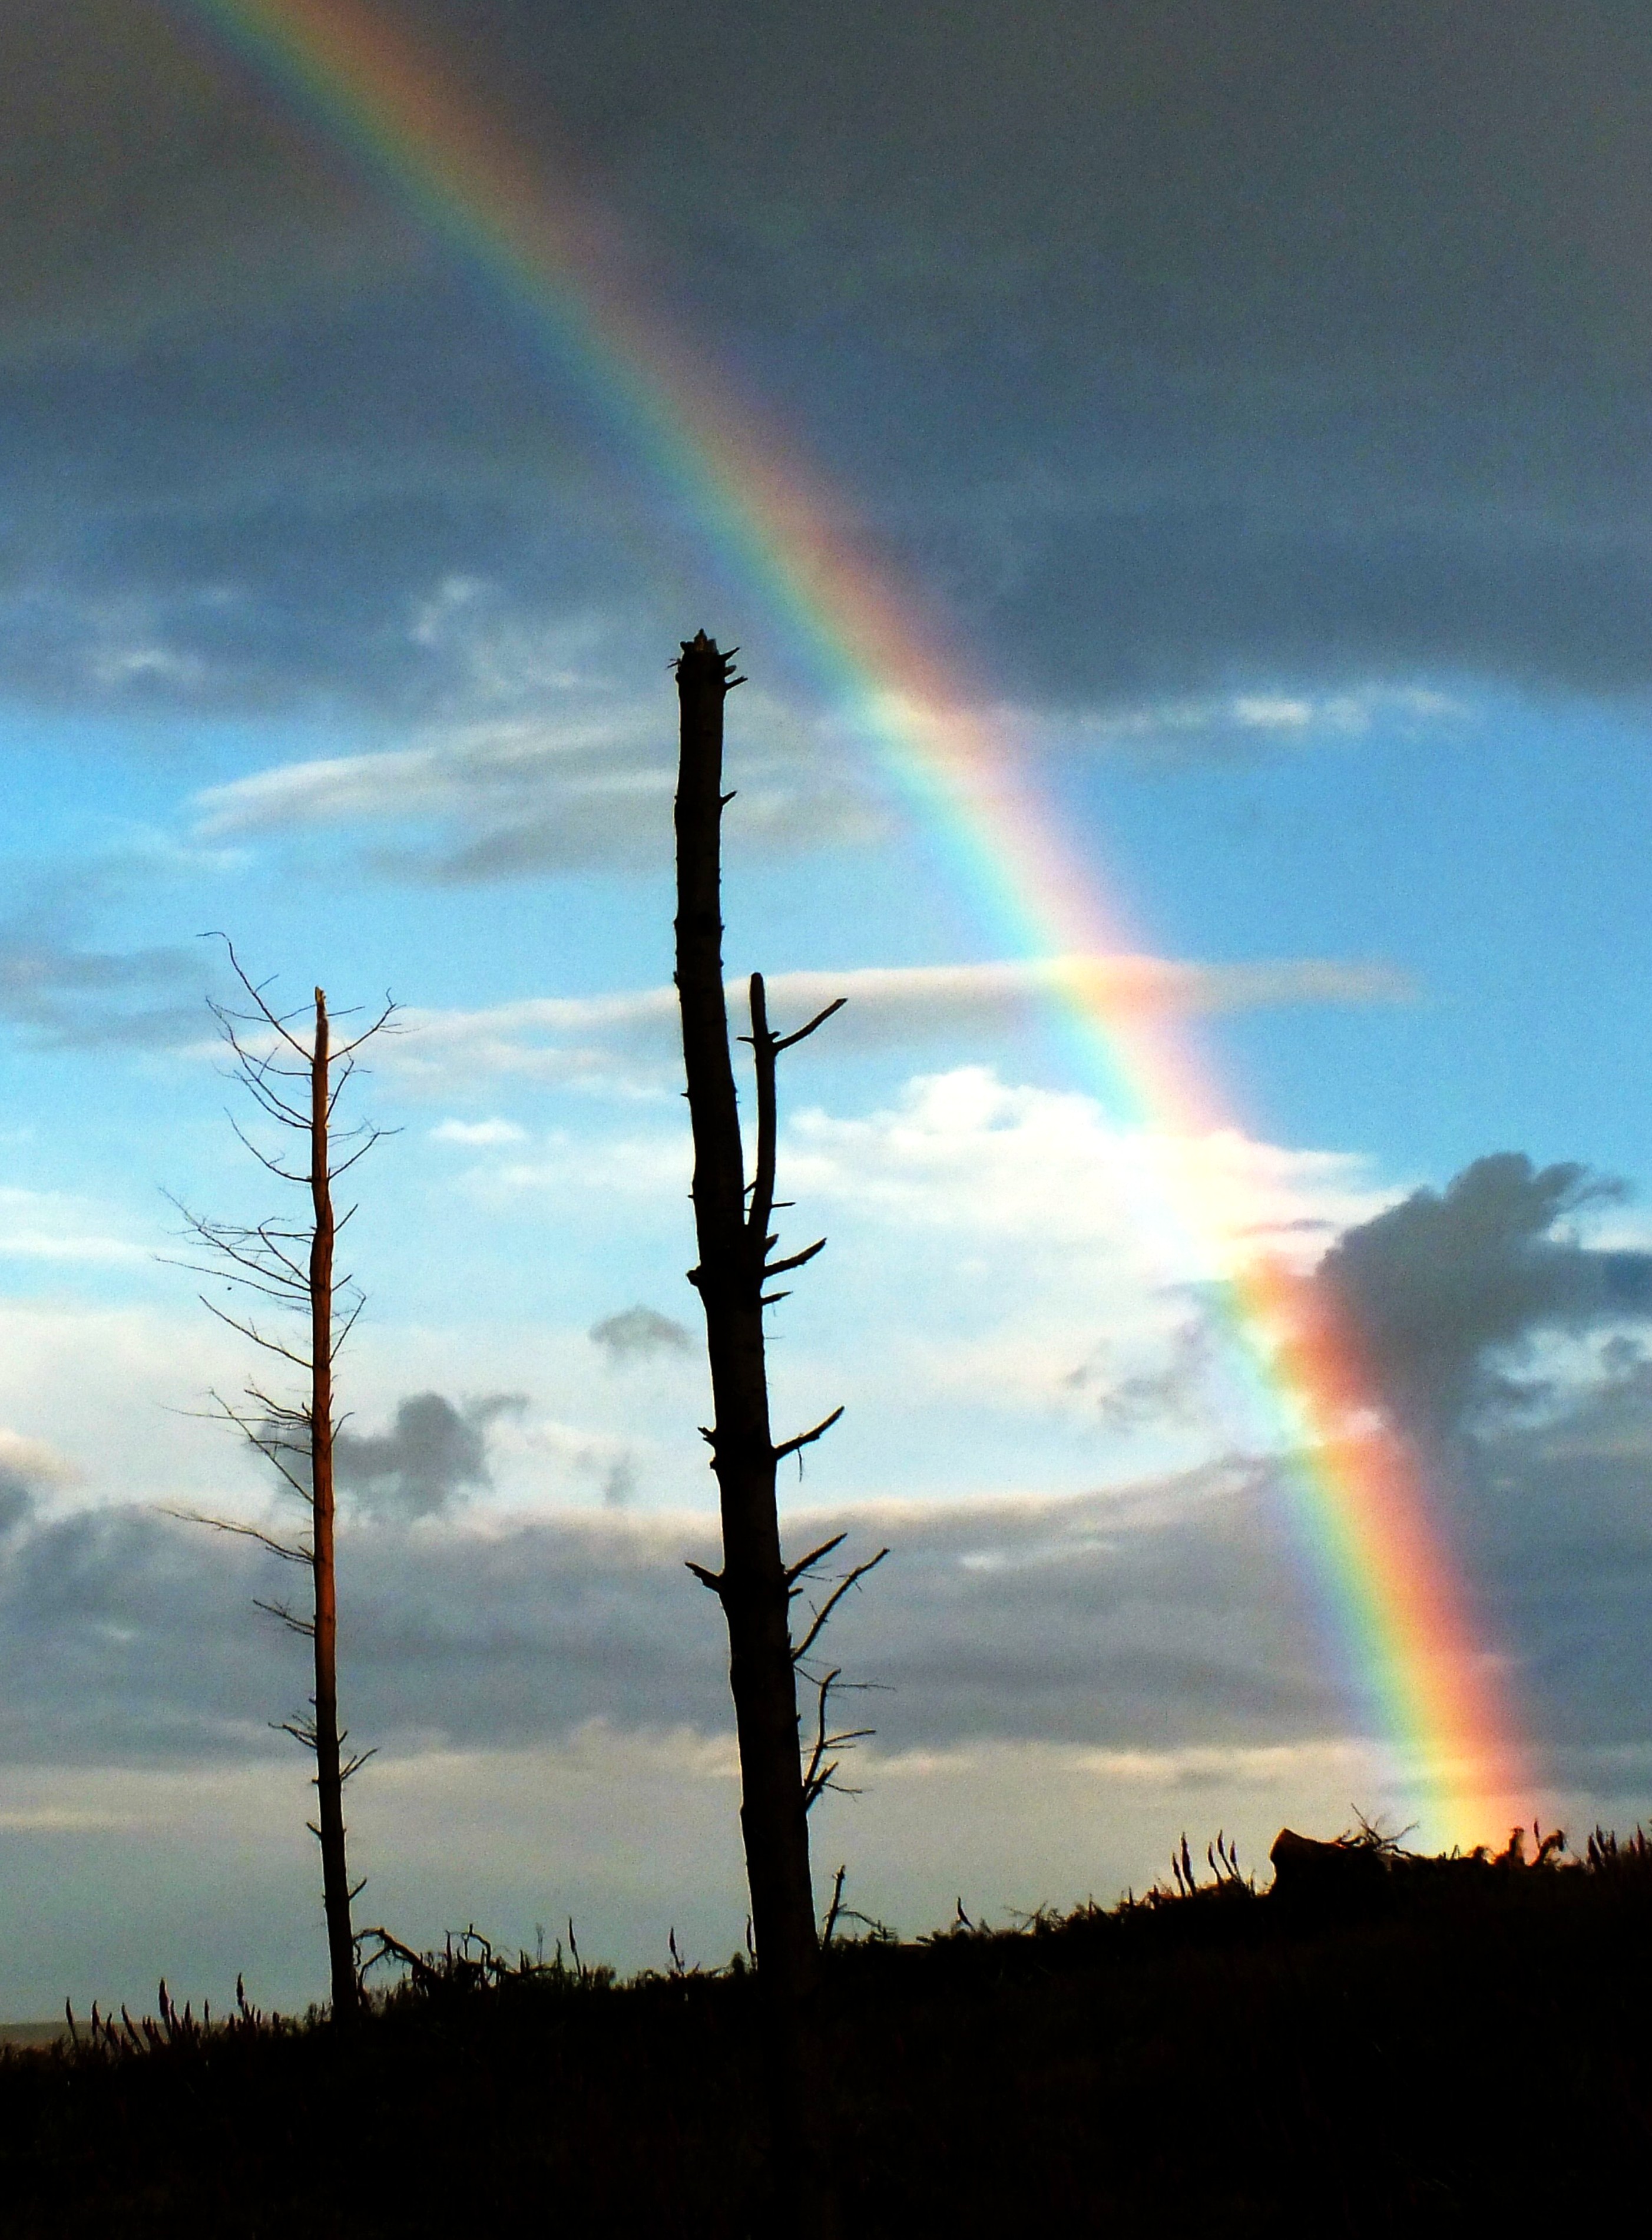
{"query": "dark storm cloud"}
[(432, 1453), (1558, 1520), (1440, 1284), (1539, 1478), (1170, 344), (143, 177)]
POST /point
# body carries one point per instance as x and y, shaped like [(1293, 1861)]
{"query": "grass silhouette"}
[(1463, 2040)]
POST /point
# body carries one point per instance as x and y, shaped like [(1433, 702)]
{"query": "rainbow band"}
[(1400, 1607)]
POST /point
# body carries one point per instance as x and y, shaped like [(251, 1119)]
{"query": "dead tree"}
[(294, 1075), (756, 1586)]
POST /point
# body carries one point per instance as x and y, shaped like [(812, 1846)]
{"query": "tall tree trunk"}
[(753, 1585), (330, 1782)]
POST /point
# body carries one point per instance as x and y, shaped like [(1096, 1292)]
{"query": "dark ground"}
[(1444, 2046)]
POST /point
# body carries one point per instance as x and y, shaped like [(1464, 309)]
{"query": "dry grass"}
[(1472, 2050)]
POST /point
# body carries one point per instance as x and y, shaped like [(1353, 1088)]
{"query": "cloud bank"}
[(1144, 1619), (1173, 1616)]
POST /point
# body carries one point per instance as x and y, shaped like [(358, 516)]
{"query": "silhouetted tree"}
[(295, 1076), (755, 1586)]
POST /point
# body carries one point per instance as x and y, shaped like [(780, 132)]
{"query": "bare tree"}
[(294, 1075), (756, 1586)]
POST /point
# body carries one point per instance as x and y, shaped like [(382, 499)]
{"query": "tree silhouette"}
[(294, 1082), (756, 1586)]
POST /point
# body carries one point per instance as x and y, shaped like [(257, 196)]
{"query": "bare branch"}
[(283, 1174), (817, 1777), (289, 1619), (257, 1433), (251, 1331), (806, 1438), (829, 1926), (797, 1260), (375, 1136), (267, 1273), (282, 1548), (272, 1290), (287, 1412), (391, 1948), (849, 1579), (256, 993), (791, 1042), (815, 1780), (795, 1572), (367, 1034)]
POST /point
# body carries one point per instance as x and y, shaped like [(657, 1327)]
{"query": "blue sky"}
[(1260, 405)]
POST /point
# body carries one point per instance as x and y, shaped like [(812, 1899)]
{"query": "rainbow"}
[(1399, 1604)]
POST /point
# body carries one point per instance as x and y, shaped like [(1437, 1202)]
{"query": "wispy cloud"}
[(1233, 723), (54, 1225), (478, 1134), (523, 794), (67, 996), (627, 1041), (455, 775)]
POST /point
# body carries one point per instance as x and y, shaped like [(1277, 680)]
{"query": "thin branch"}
[(817, 1779), (849, 1579), (806, 1438), (797, 1260), (289, 1619), (795, 1572), (276, 1108), (375, 1137), (791, 1042), (367, 1034), (258, 1432), (295, 1412), (274, 1289), (836, 1906), (251, 1331), (391, 1948), (264, 1270), (256, 996), (288, 1554)]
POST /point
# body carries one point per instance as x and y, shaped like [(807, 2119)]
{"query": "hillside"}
[(1444, 2043)]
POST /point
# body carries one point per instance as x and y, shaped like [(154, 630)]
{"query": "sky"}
[(1252, 402)]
